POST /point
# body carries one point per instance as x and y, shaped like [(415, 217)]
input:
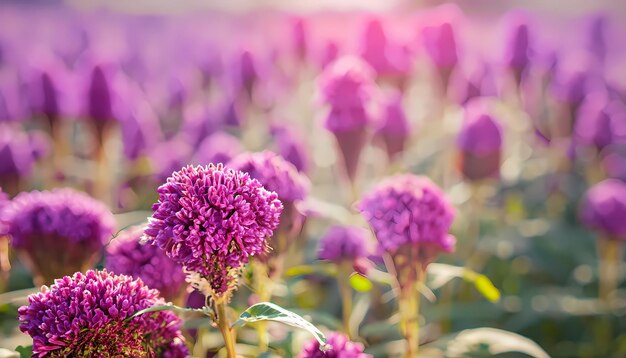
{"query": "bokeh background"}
[(110, 97)]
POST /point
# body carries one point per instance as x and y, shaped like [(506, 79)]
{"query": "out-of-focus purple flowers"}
[(517, 50), (340, 347), (88, 315), (604, 208), (480, 143), (344, 243), (212, 220), (18, 153), (409, 210), (440, 44), (385, 57), (393, 128), (219, 147), (291, 146), (127, 255), (59, 232), (600, 122)]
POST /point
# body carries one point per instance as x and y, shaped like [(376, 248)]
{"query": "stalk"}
[(263, 288), (224, 326), (610, 252), (345, 291), (409, 306)]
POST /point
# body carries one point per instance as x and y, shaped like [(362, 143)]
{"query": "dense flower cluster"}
[(127, 255), (340, 347), (344, 243), (409, 210), (212, 220), (88, 315), (61, 231), (604, 209)]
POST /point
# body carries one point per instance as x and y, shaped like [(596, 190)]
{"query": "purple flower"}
[(99, 96), (58, 232), (4, 229), (386, 58), (219, 147), (604, 208), (291, 146), (329, 54), (341, 347), (344, 243), (600, 122), (212, 220), (409, 210), (245, 72), (480, 143), (393, 128), (88, 315), (299, 36), (596, 37), (439, 40), (127, 255), (517, 44), (140, 130)]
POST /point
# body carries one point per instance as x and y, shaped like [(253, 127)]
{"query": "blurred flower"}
[(291, 146), (517, 45), (169, 156), (439, 41), (339, 347), (18, 153), (386, 58), (245, 72), (99, 96), (409, 210), (393, 127), (596, 37), (480, 143), (4, 202), (600, 122), (11, 106), (277, 175), (58, 232), (219, 147), (198, 123), (571, 84), (127, 255), (88, 315), (140, 130), (604, 208), (212, 220), (344, 243), (329, 54), (299, 36), (471, 81)]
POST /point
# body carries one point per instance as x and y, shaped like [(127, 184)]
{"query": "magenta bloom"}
[(299, 36), (341, 347), (211, 220), (99, 96), (604, 208), (386, 58), (517, 45), (4, 201), (409, 210), (219, 147), (329, 54), (480, 143), (344, 243), (291, 146), (393, 128), (600, 122), (59, 231), (127, 255), (17, 155), (86, 316)]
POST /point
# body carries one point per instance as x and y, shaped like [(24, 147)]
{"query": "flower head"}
[(600, 122), (604, 207), (127, 255), (88, 315), (60, 231), (99, 96), (344, 243), (385, 57), (393, 128), (211, 220), (291, 146), (340, 347), (409, 210), (517, 46)]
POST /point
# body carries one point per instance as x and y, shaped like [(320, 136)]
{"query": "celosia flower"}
[(600, 122), (393, 128), (329, 54), (604, 208), (299, 36), (88, 315), (99, 96), (517, 45), (596, 37), (219, 147), (480, 143), (344, 243), (245, 72), (212, 220), (291, 146), (339, 346), (127, 255), (140, 130), (277, 175), (58, 232), (386, 58), (409, 210)]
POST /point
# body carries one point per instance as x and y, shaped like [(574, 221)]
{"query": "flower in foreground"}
[(340, 347), (127, 255), (212, 220), (88, 315), (58, 232)]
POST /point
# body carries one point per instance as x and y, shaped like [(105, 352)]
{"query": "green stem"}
[(610, 252), (224, 326), (343, 278), (409, 305)]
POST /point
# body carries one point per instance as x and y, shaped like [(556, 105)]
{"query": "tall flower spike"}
[(211, 220), (480, 143), (517, 45), (340, 347), (88, 315), (393, 128), (58, 232), (278, 175), (127, 255)]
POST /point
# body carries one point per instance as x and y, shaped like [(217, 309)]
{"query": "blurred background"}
[(110, 97)]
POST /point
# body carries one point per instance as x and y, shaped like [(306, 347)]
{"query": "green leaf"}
[(165, 308), (360, 283), (443, 273), (267, 311), (323, 268), (25, 352), (492, 341)]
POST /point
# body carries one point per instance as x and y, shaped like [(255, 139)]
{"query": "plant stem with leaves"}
[(223, 323)]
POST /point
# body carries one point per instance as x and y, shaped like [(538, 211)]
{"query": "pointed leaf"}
[(165, 308), (492, 341), (360, 283), (24, 351), (267, 311)]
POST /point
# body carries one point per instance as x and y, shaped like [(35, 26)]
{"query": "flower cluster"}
[(61, 231), (340, 347), (409, 210), (212, 220), (127, 255), (604, 208), (344, 243), (89, 315)]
